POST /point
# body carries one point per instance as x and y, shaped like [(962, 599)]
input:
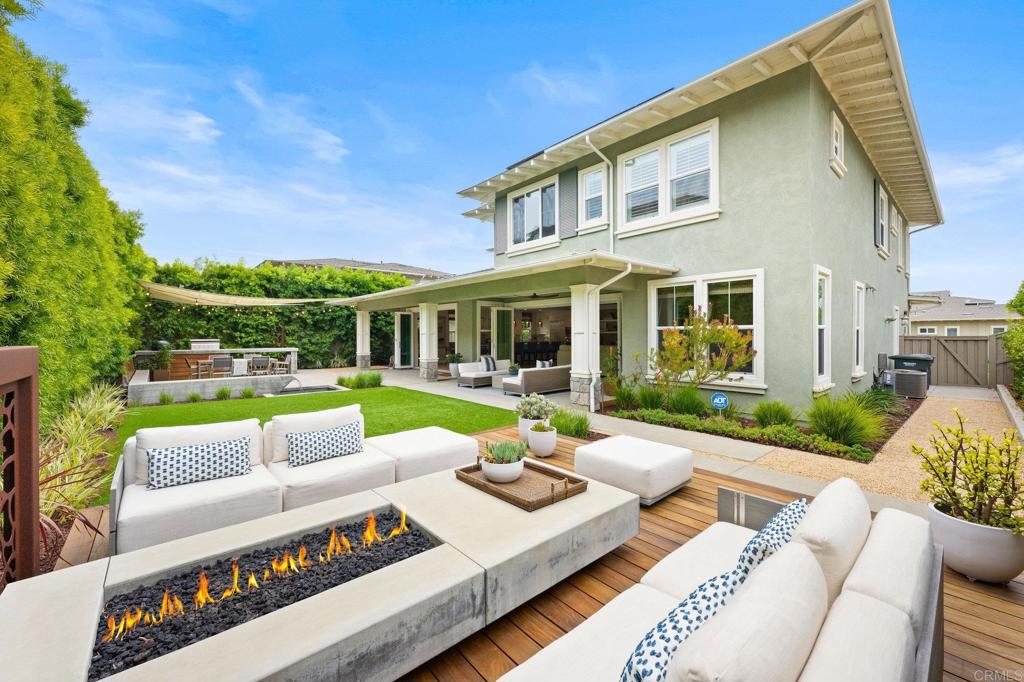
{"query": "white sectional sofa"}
[(474, 375), (140, 517), (849, 599)]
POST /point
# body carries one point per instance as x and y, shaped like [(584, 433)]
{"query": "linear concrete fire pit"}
[(489, 557)]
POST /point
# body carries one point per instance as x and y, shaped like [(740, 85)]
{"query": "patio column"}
[(585, 302), (428, 341), (362, 339)]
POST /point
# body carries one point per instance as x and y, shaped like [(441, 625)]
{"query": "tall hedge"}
[(1013, 341), (69, 257), (324, 335)]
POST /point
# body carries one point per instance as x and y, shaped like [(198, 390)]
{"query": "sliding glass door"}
[(403, 340), (503, 330)]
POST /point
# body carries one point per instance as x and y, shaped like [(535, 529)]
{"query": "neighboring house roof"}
[(940, 306), (856, 53), (410, 271)]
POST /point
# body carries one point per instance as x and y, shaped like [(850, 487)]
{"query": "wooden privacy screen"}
[(19, 463), (963, 360)]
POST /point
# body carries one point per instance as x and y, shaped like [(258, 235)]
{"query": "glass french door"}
[(503, 326), (403, 340)]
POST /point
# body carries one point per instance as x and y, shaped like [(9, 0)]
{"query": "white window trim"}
[(1002, 327), (859, 319), (945, 330), (742, 382), (596, 224), (536, 244), (667, 219), (837, 162), (896, 328), (927, 331), (822, 383), (883, 248)]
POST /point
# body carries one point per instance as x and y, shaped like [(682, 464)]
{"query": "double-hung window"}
[(822, 328), (593, 205), (859, 290), (671, 182), (883, 221), (533, 214), (736, 295), (837, 147)]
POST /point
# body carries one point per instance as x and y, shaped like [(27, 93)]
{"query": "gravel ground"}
[(895, 470)]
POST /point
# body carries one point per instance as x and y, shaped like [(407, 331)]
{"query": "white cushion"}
[(714, 551), (418, 452), (835, 528), (766, 631), (149, 517), (305, 447), (895, 565), (331, 478), (513, 382), (136, 468), (597, 648), (862, 639), (477, 373), (640, 466), (283, 424)]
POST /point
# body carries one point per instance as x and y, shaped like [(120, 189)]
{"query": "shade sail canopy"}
[(163, 292)]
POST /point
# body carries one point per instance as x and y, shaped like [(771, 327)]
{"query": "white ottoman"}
[(651, 470), (423, 451)]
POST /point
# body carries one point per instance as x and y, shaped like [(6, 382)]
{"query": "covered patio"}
[(569, 310)]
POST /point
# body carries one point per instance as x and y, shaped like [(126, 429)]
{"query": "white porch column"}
[(428, 341), (585, 302), (362, 339)]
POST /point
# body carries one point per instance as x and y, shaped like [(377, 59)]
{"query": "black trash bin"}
[(922, 362)]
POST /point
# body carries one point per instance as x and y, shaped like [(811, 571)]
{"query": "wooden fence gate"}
[(19, 463), (963, 360)]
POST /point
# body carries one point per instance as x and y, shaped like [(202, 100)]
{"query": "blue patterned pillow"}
[(488, 363), (650, 659), (200, 462), (306, 447)]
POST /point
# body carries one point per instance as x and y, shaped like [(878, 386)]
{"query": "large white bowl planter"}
[(994, 555), (542, 442), (502, 473), (525, 425)]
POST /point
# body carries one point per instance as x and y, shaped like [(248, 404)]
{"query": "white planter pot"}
[(994, 555), (502, 473), (453, 368), (542, 442), (524, 427)]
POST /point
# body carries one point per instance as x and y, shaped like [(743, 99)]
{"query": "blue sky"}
[(250, 129)]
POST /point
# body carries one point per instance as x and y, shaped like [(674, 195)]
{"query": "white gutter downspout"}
[(611, 193), (595, 375)]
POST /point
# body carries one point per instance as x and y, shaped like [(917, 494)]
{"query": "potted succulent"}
[(533, 408), (542, 439), (503, 462), (977, 492), (160, 364), (513, 369), (453, 360)]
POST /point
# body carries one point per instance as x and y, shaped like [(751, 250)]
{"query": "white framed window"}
[(883, 222), (953, 331), (903, 240), (898, 240), (896, 327), (822, 328), (859, 297), (740, 295), (928, 331), (533, 215), (837, 146), (593, 202), (998, 329), (671, 182)]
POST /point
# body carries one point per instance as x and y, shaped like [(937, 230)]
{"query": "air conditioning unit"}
[(910, 383)]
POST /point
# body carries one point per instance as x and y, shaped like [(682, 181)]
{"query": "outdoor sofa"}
[(140, 517), (475, 374), (538, 380), (849, 599)]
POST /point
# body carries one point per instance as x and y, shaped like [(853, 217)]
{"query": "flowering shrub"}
[(535, 406)]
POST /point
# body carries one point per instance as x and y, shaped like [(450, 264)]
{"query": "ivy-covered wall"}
[(324, 335), (69, 257)]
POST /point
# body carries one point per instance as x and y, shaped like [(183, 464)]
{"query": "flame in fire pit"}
[(370, 534), (203, 597), (402, 528), (336, 547), (251, 584), (234, 589)]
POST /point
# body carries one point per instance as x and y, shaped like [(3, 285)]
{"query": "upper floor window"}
[(593, 189), (999, 329), (534, 213), (902, 242), (672, 181), (882, 236), (837, 146), (926, 330)]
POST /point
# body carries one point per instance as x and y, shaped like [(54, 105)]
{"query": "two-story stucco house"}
[(779, 189)]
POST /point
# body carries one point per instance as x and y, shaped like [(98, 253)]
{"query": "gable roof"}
[(856, 53), (341, 263), (928, 306)]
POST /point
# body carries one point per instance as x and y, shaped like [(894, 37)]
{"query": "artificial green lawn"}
[(386, 410)]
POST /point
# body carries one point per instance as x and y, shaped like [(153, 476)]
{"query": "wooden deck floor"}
[(984, 624)]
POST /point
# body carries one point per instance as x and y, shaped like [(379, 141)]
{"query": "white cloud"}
[(149, 112), (991, 169), (400, 138), (566, 86), (281, 115)]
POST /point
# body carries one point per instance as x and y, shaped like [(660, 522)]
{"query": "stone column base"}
[(579, 392), (363, 361), (428, 369)]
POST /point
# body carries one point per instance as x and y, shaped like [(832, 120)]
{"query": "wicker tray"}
[(538, 487)]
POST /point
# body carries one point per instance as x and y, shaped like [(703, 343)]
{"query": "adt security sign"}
[(719, 400)]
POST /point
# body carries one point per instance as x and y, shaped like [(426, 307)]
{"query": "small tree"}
[(703, 351), (1013, 342)]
